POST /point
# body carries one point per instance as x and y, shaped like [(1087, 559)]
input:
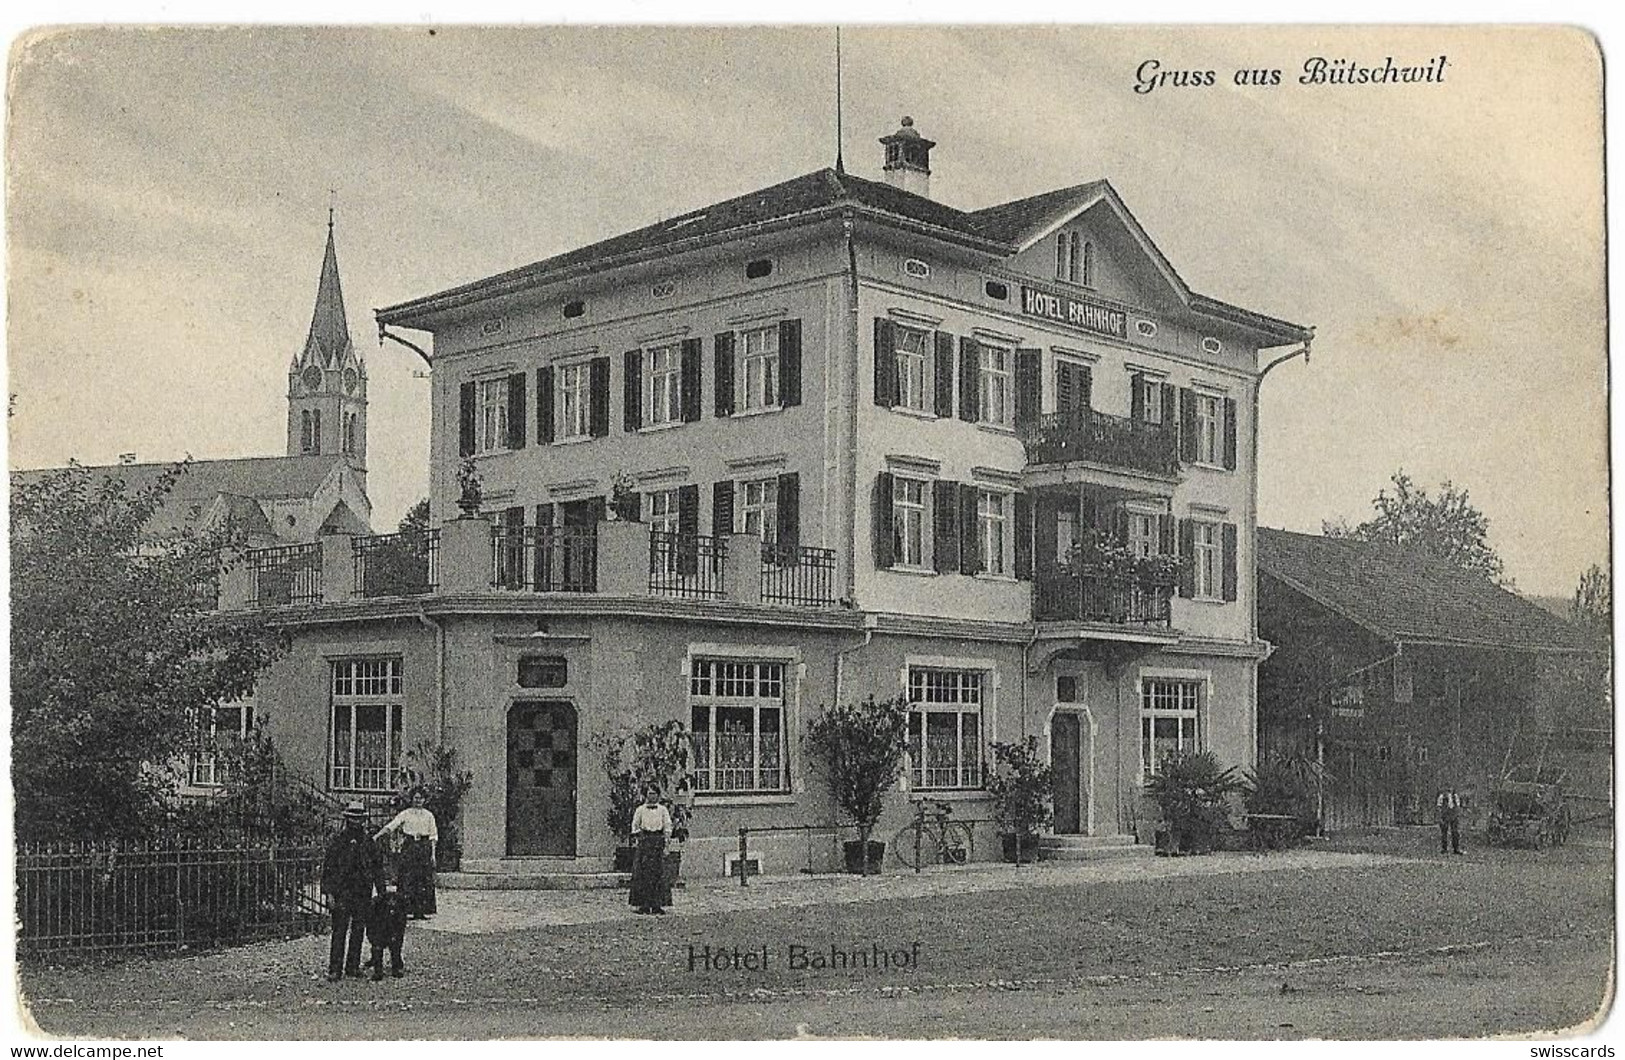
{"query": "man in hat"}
[(351, 870), (1449, 806)]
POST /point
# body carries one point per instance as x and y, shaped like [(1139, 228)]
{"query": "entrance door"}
[(1064, 746), (542, 779)]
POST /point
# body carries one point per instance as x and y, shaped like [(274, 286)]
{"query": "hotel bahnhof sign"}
[(1064, 309)]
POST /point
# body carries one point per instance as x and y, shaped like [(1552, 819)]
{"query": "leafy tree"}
[(416, 519), (1445, 525), (1593, 606), (400, 566), (861, 747), (115, 647)]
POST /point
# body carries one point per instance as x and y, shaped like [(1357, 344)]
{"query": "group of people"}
[(375, 883)]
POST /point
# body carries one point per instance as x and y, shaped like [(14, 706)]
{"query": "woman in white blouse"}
[(651, 827), (419, 837)]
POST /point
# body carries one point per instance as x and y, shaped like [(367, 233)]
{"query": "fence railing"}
[(1082, 595), (113, 895), (545, 559), (287, 574), (1084, 434), (798, 575), (686, 565), (403, 564)]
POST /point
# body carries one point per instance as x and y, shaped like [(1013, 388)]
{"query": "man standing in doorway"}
[(1449, 821)]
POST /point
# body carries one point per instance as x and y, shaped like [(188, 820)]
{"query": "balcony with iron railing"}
[(1085, 593), (1088, 436), (473, 556)]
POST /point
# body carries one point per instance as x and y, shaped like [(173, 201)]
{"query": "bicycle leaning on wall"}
[(933, 838)]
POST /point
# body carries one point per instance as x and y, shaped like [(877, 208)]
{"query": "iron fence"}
[(686, 565), (545, 559), (798, 575), (403, 564), (97, 896), (287, 574)]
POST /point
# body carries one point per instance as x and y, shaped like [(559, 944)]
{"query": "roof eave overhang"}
[(1281, 331), (1432, 641)]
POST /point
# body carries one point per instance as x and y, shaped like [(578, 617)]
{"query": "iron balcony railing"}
[(1084, 595), (403, 564), (287, 574), (690, 566), (545, 559), (798, 575), (1117, 441)]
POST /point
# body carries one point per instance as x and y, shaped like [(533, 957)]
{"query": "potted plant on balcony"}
[(1022, 787), (624, 502), (1160, 571), (470, 494), (861, 747)]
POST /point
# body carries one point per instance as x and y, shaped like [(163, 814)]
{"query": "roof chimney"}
[(908, 159)]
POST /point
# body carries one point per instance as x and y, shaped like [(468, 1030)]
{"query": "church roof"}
[(329, 337), (1411, 596)]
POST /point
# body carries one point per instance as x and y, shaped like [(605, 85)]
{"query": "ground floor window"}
[(219, 730), (736, 711), (945, 728), (1170, 714), (366, 725)]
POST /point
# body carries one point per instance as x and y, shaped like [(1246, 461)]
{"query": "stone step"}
[(535, 866), (1112, 853), (532, 881), (1084, 842)]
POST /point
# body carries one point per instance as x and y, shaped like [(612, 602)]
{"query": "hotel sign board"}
[(1064, 309)]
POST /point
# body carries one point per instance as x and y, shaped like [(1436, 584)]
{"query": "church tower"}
[(327, 382)]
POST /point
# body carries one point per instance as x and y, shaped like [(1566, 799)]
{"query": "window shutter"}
[(1166, 543), (881, 507), (945, 526), (1086, 387), (1029, 365), (1089, 511), (1187, 550), (970, 544), (1024, 537), (1230, 434), (1120, 524), (516, 410), (513, 548), (970, 368), (465, 422), (598, 403), (690, 382), (1187, 425), (722, 384), (544, 405), (722, 507), (1045, 517), (885, 363), (543, 558), (1136, 401), (789, 518), (1228, 531), (789, 363), (632, 390), (942, 367), (688, 529)]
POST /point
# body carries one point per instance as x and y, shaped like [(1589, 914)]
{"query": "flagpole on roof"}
[(840, 162)]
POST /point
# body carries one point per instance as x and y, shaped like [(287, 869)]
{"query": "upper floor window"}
[(310, 431), (1151, 395), (492, 432), (1074, 259), (662, 513), (365, 732), (759, 508), (664, 387), (1206, 560), (1209, 429), (945, 728), (995, 384), (575, 401), (913, 369), (909, 525), (760, 368), (992, 518), (1142, 533)]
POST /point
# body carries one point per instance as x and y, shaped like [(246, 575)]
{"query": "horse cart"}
[(1527, 808)]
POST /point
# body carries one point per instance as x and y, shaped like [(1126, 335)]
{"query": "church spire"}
[(329, 340)]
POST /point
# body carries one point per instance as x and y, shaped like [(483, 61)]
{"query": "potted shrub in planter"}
[(1282, 786), (660, 753), (1022, 787), (1190, 789), (860, 747), (470, 493)]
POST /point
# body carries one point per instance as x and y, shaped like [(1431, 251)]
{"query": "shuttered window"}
[(915, 382), (491, 433), (759, 368), (664, 379), (994, 375), (574, 401), (909, 521)]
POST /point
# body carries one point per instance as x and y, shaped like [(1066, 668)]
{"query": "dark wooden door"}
[(1064, 734), (542, 779)]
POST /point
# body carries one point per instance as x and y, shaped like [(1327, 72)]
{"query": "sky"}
[(168, 194)]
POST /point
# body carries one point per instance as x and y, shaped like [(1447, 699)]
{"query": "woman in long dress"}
[(651, 827), (419, 837)]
